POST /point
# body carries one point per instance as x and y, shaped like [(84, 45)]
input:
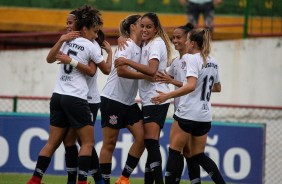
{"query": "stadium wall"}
[(239, 161), (250, 71)]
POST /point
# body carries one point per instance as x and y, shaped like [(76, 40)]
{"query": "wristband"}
[(73, 63)]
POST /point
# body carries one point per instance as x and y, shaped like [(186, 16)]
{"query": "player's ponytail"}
[(202, 38), (186, 28), (124, 27), (206, 47), (87, 16)]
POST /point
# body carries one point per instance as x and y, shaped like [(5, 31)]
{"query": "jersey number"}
[(68, 68), (205, 95)]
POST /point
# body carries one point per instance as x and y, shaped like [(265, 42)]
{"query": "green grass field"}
[(51, 179)]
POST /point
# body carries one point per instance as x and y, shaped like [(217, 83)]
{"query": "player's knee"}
[(110, 144), (88, 145)]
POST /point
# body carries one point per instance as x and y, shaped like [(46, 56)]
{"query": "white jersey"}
[(178, 70), (155, 49), (71, 81), (196, 105), (93, 95), (122, 89)]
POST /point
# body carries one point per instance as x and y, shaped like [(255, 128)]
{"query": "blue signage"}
[(237, 149)]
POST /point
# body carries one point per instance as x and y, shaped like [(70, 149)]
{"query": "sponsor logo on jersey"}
[(145, 53), (183, 65), (205, 107), (208, 65), (76, 46), (66, 78)]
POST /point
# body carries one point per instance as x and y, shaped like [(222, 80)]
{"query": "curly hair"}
[(87, 16)]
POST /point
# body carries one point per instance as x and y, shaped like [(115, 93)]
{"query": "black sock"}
[(210, 167), (94, 169), (41, 166), (193, 171), (148, 177), (154, 153), (83, 167), (71, 157), (181, 158), (173, 166), (130, 165), (106, 169)]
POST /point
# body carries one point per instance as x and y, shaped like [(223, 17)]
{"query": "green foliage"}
[(227, 7)]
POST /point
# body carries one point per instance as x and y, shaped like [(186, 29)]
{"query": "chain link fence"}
[(270, 116)]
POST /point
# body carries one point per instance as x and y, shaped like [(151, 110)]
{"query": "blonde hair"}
[(124, 27), (202, 37)]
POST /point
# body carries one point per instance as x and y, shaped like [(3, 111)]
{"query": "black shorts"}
[(155, 113), (196, 128), (94, 107), (118, 115), (68, 111)]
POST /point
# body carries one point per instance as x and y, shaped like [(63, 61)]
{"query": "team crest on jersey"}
[(113, 120), (183, 65), (145, 53)]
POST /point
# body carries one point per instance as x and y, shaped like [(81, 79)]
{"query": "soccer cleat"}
[(122, 180), (34, 180), (81, 182)]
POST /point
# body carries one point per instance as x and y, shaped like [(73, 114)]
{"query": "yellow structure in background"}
[(166, 2), (52, 20), (140, 1)]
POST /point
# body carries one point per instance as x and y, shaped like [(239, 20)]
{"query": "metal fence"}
[(270, 116)]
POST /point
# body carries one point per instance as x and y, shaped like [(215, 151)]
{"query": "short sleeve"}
[(217, 79), (156, 50), (62, 47), (192, 67), (170, 70), (125, 53), (96, 55)]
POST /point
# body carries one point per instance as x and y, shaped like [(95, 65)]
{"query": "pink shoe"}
[(81, 182), (34, 180)]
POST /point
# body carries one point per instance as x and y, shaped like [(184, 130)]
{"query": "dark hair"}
[(87, 16), (101, 38), (155, 19), (124, 27), (73, 12), (186, 28)]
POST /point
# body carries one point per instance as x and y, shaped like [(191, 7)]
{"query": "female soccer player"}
[(176, 74), (156, 53), (192, 119), (68, 106), (118, 107), (93, 98)]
